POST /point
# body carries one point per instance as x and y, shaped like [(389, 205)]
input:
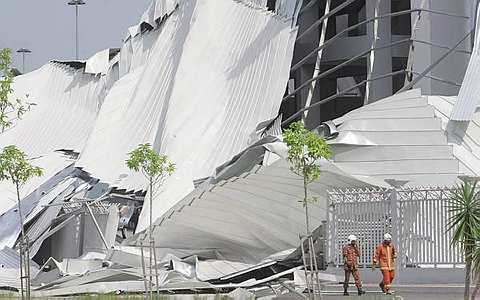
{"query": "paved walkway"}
[(414, 292)]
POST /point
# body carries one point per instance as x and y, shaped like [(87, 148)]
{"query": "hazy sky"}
[(47, 27)]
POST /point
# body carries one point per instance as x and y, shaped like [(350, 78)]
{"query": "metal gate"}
[(416, 217)]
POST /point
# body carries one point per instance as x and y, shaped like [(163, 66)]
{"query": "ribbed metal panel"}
[(9, 258), (469, 94), (398, 137), (249, 216), (241, 57), (464, 137)]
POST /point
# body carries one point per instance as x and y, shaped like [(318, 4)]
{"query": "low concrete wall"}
[(411, 275)]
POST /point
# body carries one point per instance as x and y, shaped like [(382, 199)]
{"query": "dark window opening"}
[(398, 63), (350, 15), (271, 4), (401, 25)]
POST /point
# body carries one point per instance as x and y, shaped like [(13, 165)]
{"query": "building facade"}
[(377, 47)]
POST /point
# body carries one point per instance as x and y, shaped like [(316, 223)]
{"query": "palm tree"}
[(476, 266), (465, 224)]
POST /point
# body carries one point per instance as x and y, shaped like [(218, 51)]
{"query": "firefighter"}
[(385, 256), (351, 253)]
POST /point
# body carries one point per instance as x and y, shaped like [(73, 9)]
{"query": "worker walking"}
[(351, 253), (385, 256)]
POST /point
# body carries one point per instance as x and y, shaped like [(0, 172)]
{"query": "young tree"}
[(9, 109), (15, 167), (465, 224), (305, 148), (156, 168)]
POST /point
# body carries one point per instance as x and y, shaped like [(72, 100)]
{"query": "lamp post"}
[(395, 183), (23, 51), (469, 179), (395, 215), (76, 3)]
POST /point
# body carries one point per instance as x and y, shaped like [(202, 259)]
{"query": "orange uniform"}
[(385, 255), (350, 255)]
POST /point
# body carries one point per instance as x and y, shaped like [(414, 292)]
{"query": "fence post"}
[(396, 226), (330, 231), (328, 238)]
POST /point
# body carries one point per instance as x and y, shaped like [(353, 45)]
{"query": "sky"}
[(47, 27)]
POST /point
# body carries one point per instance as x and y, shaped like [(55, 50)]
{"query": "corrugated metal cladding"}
[(9, 258), (399, 137), (469, 94), (244, 86), (403, 137), (234, 215), (212, 108), (464, 137)]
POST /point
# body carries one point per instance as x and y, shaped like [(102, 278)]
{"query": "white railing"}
[(416, 217)]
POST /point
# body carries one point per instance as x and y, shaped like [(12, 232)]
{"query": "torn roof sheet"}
[(44, 192), (233, 216), (404, 137), (469, 95), (162, 101), (463, 137), (54, 165), (398, 137), (66, 105), (10, 258)]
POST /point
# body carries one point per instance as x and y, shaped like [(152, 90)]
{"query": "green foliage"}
[(305, 148), (465, 220), (476, 254), (15, 167), (152, 165), (9, 109), (464, 206)]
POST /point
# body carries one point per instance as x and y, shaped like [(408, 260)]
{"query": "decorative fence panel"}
[(417, 219), (424, 238)]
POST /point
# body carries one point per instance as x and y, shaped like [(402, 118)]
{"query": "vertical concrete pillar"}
[(431, 41), (380, 62), (421, 53)]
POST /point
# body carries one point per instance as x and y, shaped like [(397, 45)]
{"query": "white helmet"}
[(351, 238), (387, 237)]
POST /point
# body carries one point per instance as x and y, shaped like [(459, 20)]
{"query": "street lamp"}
[(469, 179), (395, 183), (23, 51), (76, 3)]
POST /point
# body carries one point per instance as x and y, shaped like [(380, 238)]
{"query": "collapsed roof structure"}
[(204, 82)]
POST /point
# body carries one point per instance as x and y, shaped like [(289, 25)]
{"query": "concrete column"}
[(421, 56), (382, 62), (432, 28)]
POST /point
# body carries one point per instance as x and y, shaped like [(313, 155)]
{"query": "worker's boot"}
[(345, 290), (382, 286), (360, 291)]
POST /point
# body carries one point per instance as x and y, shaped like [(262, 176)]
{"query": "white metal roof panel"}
[(469, 94), (213, 107)]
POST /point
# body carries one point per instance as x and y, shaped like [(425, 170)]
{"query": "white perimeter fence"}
[(416, 217)]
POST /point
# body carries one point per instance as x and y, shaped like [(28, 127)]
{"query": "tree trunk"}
[(477, 287), (150, 238), (22, 240), (305, 202), (468, 269), (20, 211)]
